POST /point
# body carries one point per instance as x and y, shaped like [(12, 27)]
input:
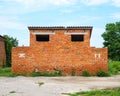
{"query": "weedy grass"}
[(40, 83), (7, 72), (104, 92), (12, 92), (86, 73)]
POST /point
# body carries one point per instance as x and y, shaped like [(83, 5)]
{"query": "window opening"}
[(76, 38), (42, 38)]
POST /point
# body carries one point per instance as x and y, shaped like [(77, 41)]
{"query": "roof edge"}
[(59, 27), (2, 38)]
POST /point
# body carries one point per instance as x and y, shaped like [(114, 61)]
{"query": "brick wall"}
[(60, 53), (2, 52)]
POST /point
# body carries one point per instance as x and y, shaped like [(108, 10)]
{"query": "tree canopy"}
[(9, 43), (112, 40)]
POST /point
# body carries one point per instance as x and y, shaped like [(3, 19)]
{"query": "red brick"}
[(2, 52), (59, 53)]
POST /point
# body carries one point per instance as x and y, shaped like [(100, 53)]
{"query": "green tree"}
[(9, 43), (112, 40)]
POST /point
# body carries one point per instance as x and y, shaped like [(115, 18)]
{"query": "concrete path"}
[(53, 86)]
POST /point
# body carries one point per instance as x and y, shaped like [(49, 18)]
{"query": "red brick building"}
[(59, 48), (2, 52)]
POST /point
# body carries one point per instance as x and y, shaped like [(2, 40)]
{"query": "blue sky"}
[(17, 15)]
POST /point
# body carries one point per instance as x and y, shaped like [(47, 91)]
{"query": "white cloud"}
[(115, 15), (88, 19), (44, 3), (94, 2), (11, 26), (10, 23), (36, 3), (27, 3), (116, 3), (96, 39), (66, 11), (27, 6), (62, 2)]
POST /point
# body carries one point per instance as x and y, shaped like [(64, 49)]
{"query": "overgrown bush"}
[(85, 73), (73, 72), (101, 73), (35, 74), (9, 43), (114, 67), (58, 72)]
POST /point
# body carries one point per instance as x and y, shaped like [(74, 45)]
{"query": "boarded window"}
[(77, 38), (42, 38)]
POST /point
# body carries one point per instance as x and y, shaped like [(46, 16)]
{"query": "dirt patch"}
[(54, 86)]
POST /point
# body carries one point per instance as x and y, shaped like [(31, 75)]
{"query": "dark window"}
[(76, 38), (42, 38)]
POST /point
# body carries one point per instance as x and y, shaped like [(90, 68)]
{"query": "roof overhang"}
[(62, 28)]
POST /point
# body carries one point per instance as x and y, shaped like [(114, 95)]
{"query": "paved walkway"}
[(53, 86)]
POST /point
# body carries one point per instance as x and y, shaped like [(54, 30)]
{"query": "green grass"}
[(114, 67), (105, 92), (101, 73), (7, 73), (86, 73), (35, 74)]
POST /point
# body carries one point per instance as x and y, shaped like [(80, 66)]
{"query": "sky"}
[(17, 15)]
